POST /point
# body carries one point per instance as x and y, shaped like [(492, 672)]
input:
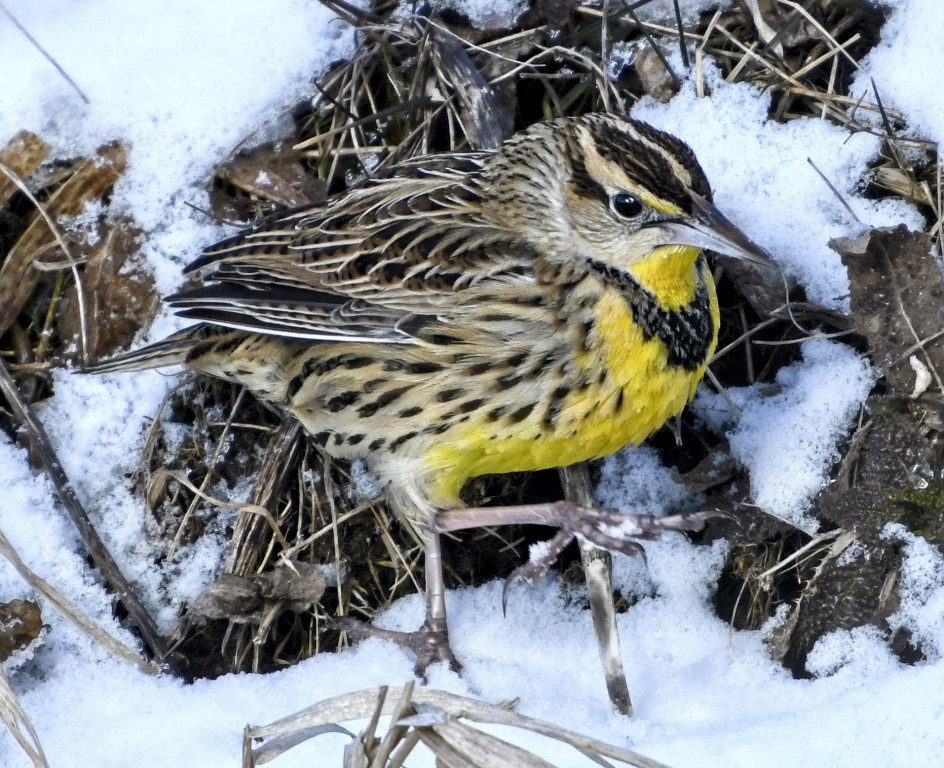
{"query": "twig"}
[(598, 567), (834, 190), (641, 26), (832, 53), (96, 548), (67, 609), (681, 34), (785, 28), (43, 51), (17, 721)]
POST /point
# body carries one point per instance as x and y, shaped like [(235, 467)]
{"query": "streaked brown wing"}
[(374, 264), (296, 313)]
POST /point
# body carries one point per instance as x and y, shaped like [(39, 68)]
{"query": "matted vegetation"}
[(310, 544)]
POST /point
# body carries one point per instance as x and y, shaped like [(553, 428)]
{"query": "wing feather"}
[(375, 264)]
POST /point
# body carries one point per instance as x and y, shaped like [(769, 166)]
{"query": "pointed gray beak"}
[(709, 228)]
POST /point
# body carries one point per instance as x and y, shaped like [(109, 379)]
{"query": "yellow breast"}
[(639, 392)]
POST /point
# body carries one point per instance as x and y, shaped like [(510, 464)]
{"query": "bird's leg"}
[(601, 527), (434, 636), (604, 527), (431, 642)]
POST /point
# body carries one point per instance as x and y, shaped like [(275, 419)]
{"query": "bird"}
[(543, 303)]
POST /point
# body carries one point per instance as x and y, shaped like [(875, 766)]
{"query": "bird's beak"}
[(709, 228)]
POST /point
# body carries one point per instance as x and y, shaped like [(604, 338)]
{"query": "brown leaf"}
[(20, 624), (18, 276), (266, 173), (847, 592), (119, 295), (897, 296), (22, 155), (486, 119), (655, 76)]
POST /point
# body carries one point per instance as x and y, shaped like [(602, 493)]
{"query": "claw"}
[(541, 557), (427, 644), (618, 531)]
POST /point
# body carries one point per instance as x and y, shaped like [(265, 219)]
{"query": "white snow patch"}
[(484, 14), (788, 441), (905, 65), (635, 480), (763, 182), (921, 591)]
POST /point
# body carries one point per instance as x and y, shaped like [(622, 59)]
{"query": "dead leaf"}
[(20, 624), (119, 294), (18, 275), (654, 75), (248, 599), (267, 174), (22, 155), (897, 298)]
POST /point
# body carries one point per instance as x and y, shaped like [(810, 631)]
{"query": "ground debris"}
[(893, 481), (20, 624), (262, 179), (116, 289), (22, 155), (897, 298), (18, 275), (290, 586), (446, 724), (847, 576)]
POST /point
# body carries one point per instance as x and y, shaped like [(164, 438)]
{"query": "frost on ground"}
[(773, 436)]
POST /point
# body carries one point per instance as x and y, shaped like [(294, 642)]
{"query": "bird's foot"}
[(615, 531), (541, 557), (603, 527), (429, 645), (619, 531)]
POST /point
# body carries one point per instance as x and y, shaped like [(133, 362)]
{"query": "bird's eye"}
[(625, 205)]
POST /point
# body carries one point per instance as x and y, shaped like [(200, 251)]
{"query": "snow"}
[(768, 184), (922, 605), (664, 10), (181, 89), (909, 52), (485, 13), (787, 461), (234, 71)]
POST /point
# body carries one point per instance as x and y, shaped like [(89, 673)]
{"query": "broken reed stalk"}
[(446, 723), (17, 721), (71, 612), (95, 547), (597, 567)]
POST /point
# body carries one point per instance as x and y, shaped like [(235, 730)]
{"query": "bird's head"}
[(612, 189)]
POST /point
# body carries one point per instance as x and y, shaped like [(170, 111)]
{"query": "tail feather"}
[(174, 350)]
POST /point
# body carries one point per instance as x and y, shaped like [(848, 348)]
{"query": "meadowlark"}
[(530, 307)]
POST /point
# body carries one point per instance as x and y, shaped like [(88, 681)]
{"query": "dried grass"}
[(446, 724), (412, 86)]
